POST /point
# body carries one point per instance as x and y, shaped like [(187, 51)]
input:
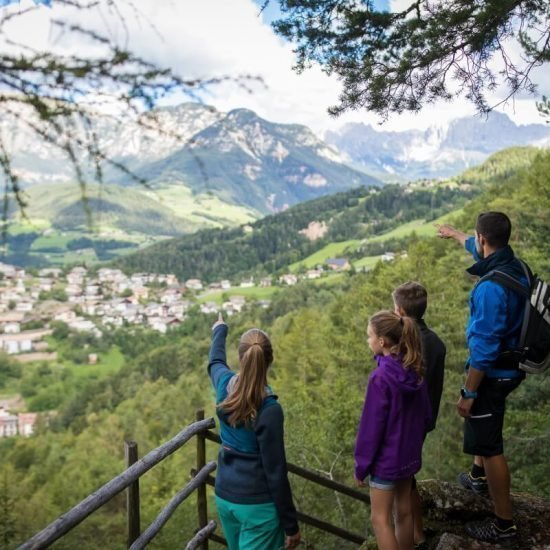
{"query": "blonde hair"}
[(255, 356), (402, 334)]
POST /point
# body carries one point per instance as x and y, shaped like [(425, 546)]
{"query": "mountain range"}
[(439, 151), (239, 157)]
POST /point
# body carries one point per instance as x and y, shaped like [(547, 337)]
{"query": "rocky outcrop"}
[(448, 507)]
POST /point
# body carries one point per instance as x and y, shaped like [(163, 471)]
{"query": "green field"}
[(136, 214), (107, 363), (204, 209), (422, 228), (332, 250), (368, 262)]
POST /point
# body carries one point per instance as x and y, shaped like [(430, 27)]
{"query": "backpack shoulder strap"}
[(508, 281)]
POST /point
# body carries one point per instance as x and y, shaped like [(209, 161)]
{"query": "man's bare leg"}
[(498, 480)]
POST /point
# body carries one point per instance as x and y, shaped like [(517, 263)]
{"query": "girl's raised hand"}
[(219, 321)]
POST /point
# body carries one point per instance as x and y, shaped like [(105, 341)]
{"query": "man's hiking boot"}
[(490, 532), (476, 484)]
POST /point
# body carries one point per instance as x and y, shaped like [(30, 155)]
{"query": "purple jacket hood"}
[(393, 424)]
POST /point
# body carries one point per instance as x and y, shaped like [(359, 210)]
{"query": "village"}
[(98, 300)]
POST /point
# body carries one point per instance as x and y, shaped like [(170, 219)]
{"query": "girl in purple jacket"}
[(395, 417)]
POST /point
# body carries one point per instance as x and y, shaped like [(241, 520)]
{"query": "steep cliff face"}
[(448, 507)]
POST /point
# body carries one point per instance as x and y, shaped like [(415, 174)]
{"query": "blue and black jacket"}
[(496, 312), (251, 463)]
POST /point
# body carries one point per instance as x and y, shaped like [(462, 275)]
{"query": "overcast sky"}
[(210, 38)]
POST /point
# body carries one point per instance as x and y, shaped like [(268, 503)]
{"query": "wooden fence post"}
[(132, 495), (201, 491)]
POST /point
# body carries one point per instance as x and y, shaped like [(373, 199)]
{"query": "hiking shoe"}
[(476, 484), (489, 531)]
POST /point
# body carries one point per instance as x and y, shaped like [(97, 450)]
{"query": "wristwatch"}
[(466, 394)]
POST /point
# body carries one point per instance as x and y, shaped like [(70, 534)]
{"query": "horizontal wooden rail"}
[(151, 532), (91, 503), (320, 524), (331, 484), (329, 528), (204, 534), (312, 476)]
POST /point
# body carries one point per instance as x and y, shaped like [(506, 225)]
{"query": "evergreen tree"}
[(394, 62)]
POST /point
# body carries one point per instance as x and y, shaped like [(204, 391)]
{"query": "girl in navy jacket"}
[(253, 494)]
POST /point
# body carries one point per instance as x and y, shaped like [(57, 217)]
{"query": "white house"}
[(12, 328), (8, 423), (66, 315), (209, 307), (50, 272), (26, 423), (266, 281), (313, 273), (289, 279), (16, 343), (9, 271), (194, 284), (92, 290), (24, 306), (82, 325), (45, 284), (73, 290)]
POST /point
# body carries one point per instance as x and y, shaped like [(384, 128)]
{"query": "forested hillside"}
[(277, 241), (320, 372)]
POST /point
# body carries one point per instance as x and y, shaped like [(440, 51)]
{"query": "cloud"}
[(214, 38)]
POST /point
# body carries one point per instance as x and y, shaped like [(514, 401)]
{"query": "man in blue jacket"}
[(496, 315)]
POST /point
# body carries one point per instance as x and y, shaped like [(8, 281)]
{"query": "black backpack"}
[(533, 352)]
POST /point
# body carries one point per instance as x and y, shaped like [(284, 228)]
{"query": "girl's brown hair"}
[(403, 335), (246, 397)]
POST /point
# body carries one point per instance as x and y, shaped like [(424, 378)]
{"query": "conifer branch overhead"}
[(435, 49)]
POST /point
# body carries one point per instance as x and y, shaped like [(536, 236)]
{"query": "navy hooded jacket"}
[(251, 463)]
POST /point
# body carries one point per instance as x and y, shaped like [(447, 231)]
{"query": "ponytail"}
[(246, 397), (403, 335), (410, 346)]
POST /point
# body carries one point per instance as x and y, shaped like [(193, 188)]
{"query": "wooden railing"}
[(201, 477), (129, 478), (292, 468)]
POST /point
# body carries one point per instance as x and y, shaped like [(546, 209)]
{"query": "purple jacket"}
[(396, 415)]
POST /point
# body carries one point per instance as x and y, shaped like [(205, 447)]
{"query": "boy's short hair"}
[(495, 227), (412, 298)]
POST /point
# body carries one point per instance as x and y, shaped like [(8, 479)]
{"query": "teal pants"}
[(251, 526)]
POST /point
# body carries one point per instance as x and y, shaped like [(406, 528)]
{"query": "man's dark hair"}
[(495, 227), (412, 298)]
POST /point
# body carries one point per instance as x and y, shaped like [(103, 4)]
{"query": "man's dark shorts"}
[(483, 429)]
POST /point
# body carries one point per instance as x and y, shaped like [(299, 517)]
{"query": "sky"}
[(213, 38)]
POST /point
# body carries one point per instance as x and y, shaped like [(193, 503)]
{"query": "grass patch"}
[(421, 227), (204, 209), (55, 240), (332, 279), (108, 363), (332, 250), (368, 262)]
